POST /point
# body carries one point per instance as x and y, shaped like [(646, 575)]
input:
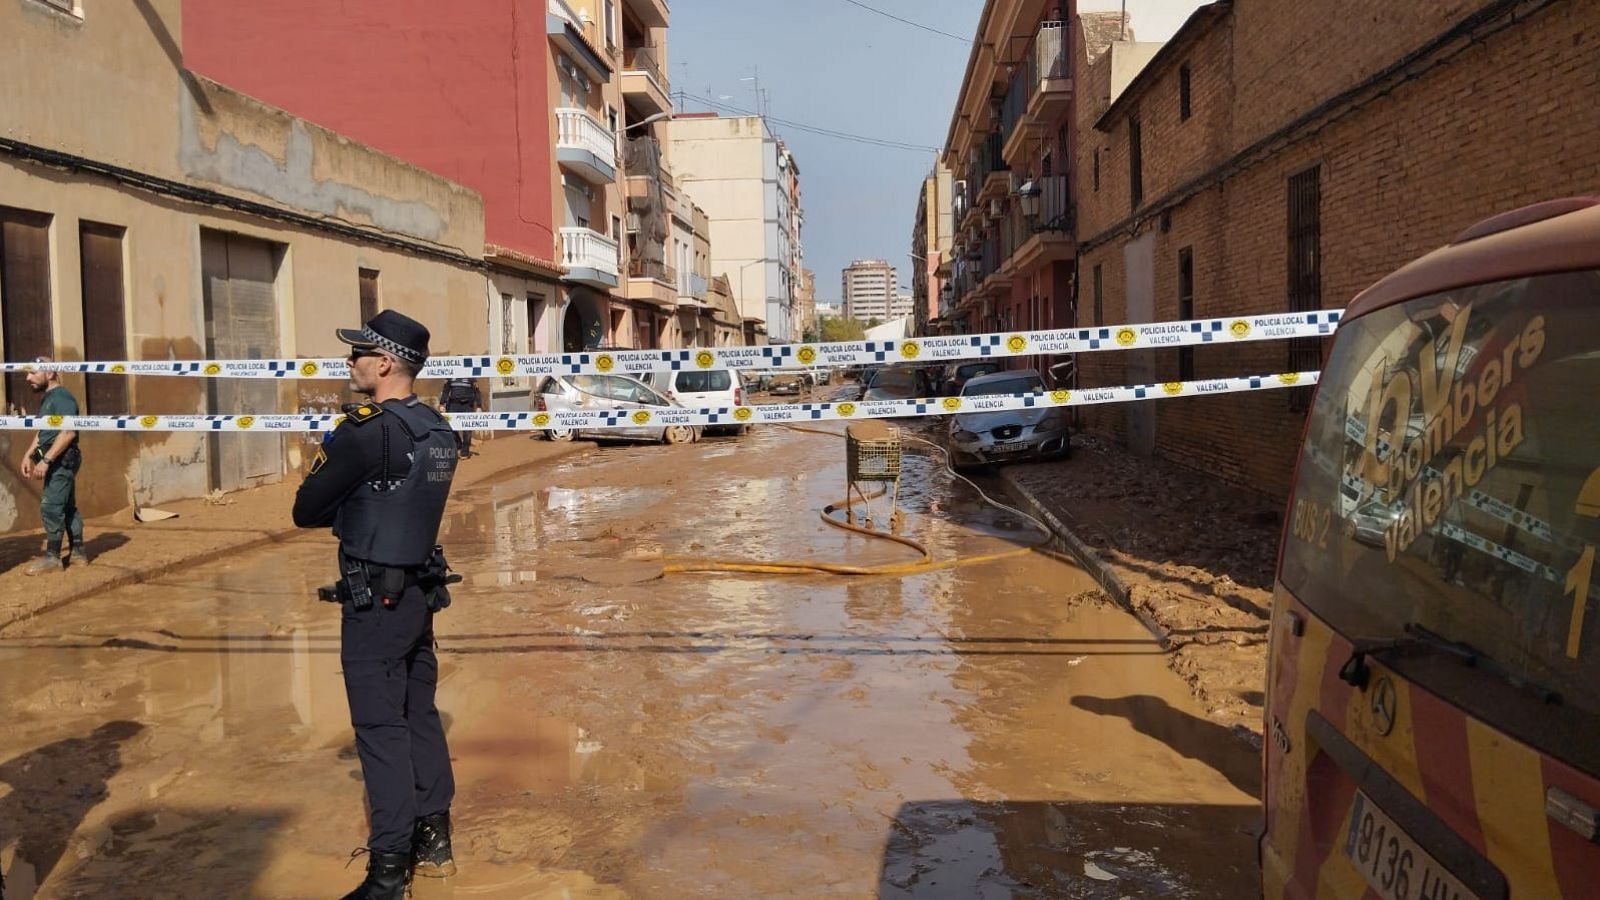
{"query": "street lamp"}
[(647, 120), (1028, 194)]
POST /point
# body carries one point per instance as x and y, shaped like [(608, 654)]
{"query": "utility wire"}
[(889, 15), (813, 129)]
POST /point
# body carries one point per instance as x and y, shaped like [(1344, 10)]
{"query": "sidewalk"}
[(126, 552), (1191, 558)]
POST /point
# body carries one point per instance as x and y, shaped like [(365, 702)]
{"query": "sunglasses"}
[(359, 353)]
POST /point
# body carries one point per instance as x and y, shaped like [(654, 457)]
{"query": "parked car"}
[(895, 383), (821, 375), (956, 375), (700, 388), (783, 382), (985, 438), (554, 393)]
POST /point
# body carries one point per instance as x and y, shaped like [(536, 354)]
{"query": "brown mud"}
[(984, 731)]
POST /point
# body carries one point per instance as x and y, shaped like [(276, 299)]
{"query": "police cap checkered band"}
[(396, 334)]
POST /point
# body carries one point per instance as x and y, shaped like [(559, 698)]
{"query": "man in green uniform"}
[(55, 458)]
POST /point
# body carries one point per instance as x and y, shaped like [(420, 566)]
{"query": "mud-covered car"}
[(986, 438), (783, 383)]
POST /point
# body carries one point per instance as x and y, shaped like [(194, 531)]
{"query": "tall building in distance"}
[(748, 184), (870, 291)]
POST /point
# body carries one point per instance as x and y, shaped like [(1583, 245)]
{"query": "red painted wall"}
[(457, 88)]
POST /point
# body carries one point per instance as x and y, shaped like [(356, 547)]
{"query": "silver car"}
[(985, 438), (602, 392)]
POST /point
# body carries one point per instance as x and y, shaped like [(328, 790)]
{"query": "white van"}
[(701, 389)]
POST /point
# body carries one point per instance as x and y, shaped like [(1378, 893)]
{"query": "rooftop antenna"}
[(1124, 22)]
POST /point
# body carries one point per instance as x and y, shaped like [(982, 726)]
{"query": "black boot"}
[(387, 874), (431, 856)]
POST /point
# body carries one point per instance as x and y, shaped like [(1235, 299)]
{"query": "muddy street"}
[(991, 730)]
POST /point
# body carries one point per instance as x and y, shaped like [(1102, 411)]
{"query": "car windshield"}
[(899, 382), (973, 370), (1449, 481), (1029, 384), (704, 382)]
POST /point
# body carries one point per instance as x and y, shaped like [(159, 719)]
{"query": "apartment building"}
[(747, 182), (1225, 183), (150, 213), (805, 305), (870, 289), (1010, 147), (930, 251)]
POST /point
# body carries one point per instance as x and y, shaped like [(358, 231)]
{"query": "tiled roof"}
[(1100, 29)]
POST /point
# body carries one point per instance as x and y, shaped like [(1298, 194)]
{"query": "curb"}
[(1091, 561), (140, 575)]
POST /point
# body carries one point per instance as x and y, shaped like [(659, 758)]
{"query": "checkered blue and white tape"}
[(659, 416), (924, 350)]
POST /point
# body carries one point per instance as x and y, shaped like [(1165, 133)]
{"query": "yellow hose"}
[(800, 567)]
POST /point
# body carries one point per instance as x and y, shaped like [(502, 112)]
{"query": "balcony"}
[(1040, 94), (643, 81), (652, 281), (990, 171), (578, 39), (1049, 238), (585, 147), (650, 13), (589, 257)]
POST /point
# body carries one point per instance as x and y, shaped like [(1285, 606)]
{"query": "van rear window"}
[(704, 382), (1450, 479)]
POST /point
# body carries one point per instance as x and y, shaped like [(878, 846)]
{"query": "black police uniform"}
[(381, 480), (462, 395)]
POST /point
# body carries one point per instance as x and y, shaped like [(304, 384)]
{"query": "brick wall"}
[(1501, 125)]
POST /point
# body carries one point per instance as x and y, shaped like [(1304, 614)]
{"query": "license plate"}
[(1008, 448), (1392, 863)]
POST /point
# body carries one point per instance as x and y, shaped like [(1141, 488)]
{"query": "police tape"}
[(663, 417), (924, 350)]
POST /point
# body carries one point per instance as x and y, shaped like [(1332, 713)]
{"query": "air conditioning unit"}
[(997, 209), (633, 223)]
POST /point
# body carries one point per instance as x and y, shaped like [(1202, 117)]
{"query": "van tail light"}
[(738, 396)]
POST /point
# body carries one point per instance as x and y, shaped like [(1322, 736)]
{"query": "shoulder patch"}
[(320, 460), (361, 413)]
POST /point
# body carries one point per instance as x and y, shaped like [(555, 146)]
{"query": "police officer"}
[(381, 480), (462, 395)]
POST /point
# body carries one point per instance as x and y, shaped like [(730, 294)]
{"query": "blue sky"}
[(830, 64)]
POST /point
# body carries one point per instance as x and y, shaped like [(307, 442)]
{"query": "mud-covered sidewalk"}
[(1193, 558), (124, 551)]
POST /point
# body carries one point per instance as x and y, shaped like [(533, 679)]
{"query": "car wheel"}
[(561, 435), (677, 434)]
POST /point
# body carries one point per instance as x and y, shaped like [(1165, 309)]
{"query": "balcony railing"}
[(643, 59), (1055, 204), (582, 248), (575, 128), (697, 286), (652, 268), (1048, 59)]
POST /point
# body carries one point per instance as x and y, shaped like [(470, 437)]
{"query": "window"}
[(104, 315), (1186, 309), (535, 317), (611, 24), (1135, 162), (1185, 95), (25, 286), (368, 279), (616, 228), (1099, 298), (1413, 512), (1305, 272), (704, 382), (1097, 169)]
